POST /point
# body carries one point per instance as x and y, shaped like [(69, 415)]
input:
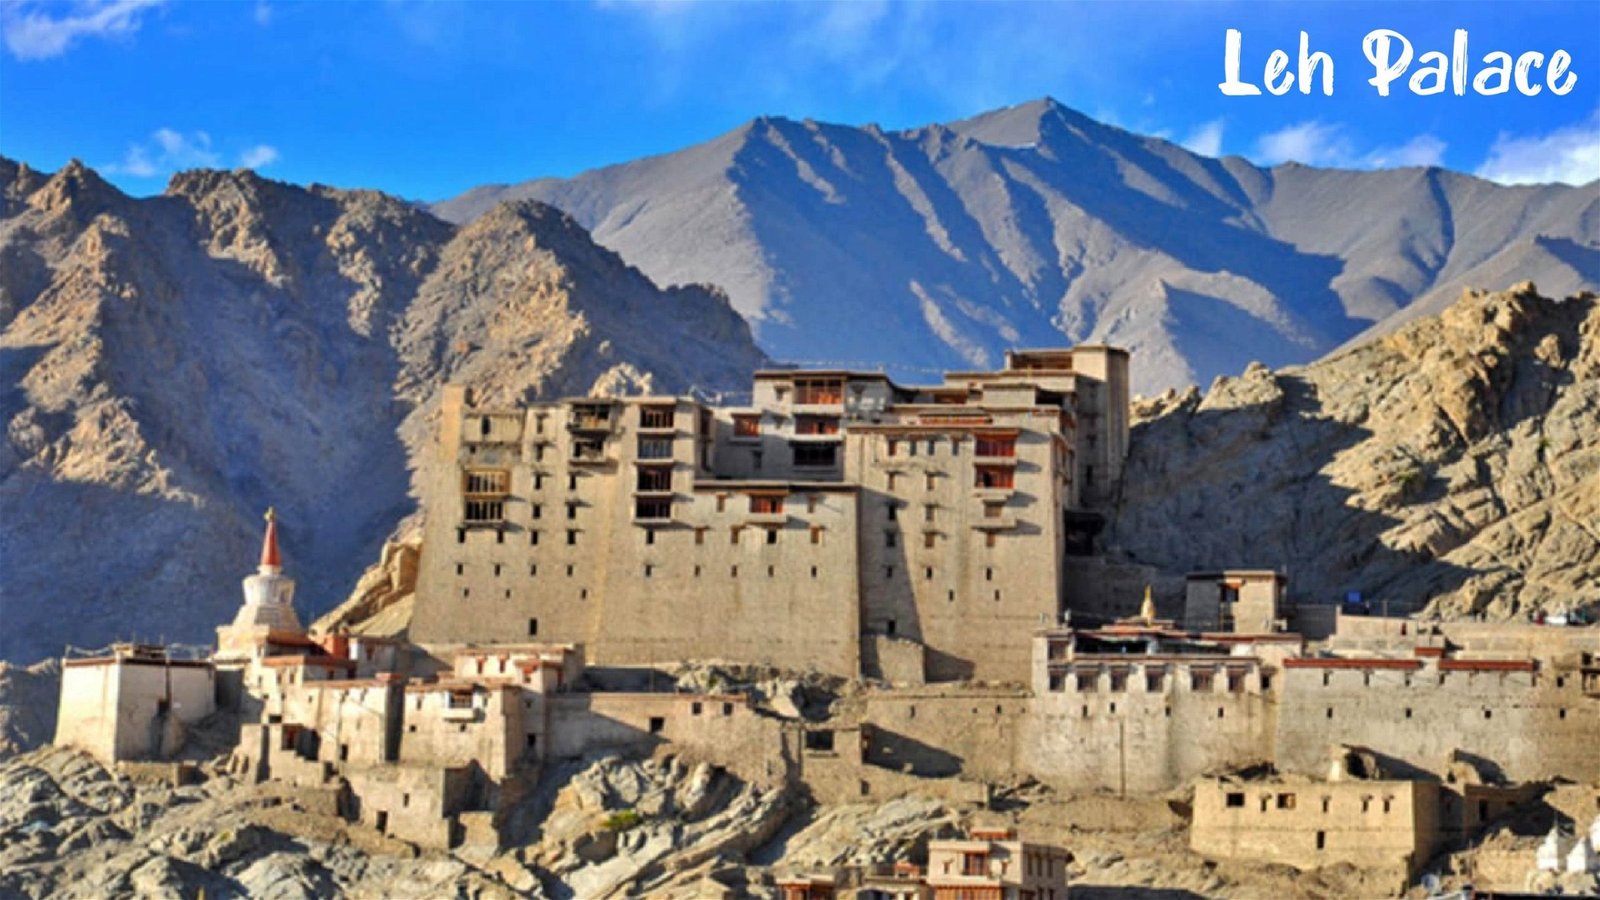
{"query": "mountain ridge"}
[(172, 365), (937, 246)]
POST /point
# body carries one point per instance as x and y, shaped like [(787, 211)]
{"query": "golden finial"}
[(1147, 610), (272, 515)]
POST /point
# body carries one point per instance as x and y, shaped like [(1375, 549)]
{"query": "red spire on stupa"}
[(269, 544)]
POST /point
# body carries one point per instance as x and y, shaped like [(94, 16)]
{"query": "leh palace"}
[(937, 547)]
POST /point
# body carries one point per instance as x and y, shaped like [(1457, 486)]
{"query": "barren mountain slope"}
[(1455, 461), (171, 366), (941, 246)]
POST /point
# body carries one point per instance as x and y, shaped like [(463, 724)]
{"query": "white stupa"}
[(268, 609)]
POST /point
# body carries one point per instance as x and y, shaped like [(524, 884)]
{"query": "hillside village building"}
[(841, 523)]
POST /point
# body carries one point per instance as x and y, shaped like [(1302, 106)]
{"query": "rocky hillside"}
[(603, 828), (170, 366), (942, 246), (1455, 461)]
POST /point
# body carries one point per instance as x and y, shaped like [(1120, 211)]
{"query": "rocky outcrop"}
[(170, 366), (28, 702), (1453, 465)]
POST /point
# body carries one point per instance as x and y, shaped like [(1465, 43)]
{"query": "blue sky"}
[(426, 99)]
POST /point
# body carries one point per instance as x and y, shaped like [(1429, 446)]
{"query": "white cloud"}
[(167, 151), (258, 157), (1422, 150), (34, 32), (1312, 143), (1570, 155), (1206, 140)]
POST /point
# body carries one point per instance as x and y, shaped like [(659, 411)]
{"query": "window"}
[(1235, 681), (1119, 680), (572, 511), (1286, 801), (815, 455), (655, 416), (1235, 800), (993, 477), (533, 538), (747, 426), (479, 511), (1058, 682), (927, 573), (816, 425), (649, 536), (932, 481), (537, 510), (695, 708), (928, 512), (727, 709), (996, 445), (572, 482), (658, 724), (649, 570), (766, 504), (819, 741), (1087, 680), (533, 628), (653, 448), (816, 534), (772, 536), (1201, 679), (699, 536), (572, 537), (888, 539), (589, 450), (818, 391), (488, 481), (733, 535), (654, 478), (1322, 840), (993, 510), (892, 449), (1153, 681), (891, 510), (929, 539), (889, 626)]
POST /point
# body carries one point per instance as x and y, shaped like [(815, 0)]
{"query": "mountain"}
[(171, 366), (1454, 464), (941, 246)]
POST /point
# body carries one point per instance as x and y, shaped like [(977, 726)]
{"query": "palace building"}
[(839, 522)]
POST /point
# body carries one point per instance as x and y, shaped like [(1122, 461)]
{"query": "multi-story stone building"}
[(838, 522)]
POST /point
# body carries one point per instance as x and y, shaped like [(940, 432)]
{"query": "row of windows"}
[(650, 570), (984, 445), (1288, 800), (1117, 680)]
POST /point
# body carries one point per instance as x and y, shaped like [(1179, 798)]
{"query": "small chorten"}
[(1147, 609), (268, 608)]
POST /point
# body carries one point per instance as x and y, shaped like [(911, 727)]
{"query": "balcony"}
[(591, 417), (1004, 522)]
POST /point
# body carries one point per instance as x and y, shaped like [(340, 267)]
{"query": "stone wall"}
[(1532, 723), (1088, 730), (938, 732), (721, 729)]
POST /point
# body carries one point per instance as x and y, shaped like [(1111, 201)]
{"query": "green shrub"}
[(623, 819)]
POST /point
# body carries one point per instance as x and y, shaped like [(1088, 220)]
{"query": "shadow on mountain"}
[(1245, 487)]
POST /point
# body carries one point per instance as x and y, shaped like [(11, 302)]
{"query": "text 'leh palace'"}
[(938, 544)]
